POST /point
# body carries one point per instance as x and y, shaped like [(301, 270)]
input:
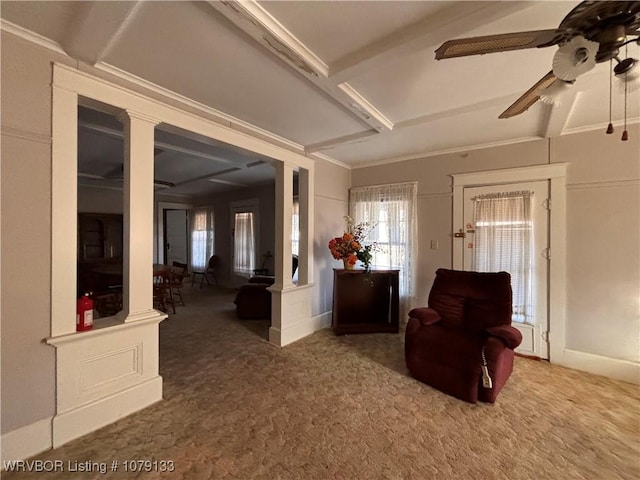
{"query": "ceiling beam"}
[(263, 28), (470, 108), (329, 144), (452, 22), (556, 115), (165, 146), (412, 122), (94, 31)]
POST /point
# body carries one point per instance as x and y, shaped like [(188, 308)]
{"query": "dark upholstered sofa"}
[(469, 314), (253, 300)]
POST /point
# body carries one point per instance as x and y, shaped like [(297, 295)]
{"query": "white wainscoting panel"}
[(105, 374)]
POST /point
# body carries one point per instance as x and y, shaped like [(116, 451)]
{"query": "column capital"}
[(126, 115)]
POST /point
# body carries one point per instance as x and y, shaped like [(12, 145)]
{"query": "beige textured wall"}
[(28, 381), (603, 242), (221, 206), (331, 205), (603, 227), (435, 197)]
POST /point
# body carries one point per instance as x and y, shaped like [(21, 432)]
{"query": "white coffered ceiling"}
[(355, 81)]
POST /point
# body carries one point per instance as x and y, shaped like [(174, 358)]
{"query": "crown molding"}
[(600, 126), (326, 158), (30, 36), (435, 153)]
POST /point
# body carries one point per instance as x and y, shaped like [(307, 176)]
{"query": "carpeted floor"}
[(326, 407)]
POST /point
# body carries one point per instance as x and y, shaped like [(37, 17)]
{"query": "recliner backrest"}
[(472, 300)]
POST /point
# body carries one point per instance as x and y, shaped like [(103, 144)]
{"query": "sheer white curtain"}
[(392, 209), (504, 242), (295, 228), (244, 244), (202, 238)]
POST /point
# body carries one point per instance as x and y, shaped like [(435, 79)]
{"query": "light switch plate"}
[(434, 244)]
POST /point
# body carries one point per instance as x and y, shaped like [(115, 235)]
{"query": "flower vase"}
[(347, 265)]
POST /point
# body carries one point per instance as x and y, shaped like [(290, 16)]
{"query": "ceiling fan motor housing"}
[(610, 41), (593, 32)]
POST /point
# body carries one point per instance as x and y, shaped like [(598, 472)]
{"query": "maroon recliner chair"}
[(466, 327)]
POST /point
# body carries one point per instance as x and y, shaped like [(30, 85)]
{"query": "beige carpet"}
[(329, 407)]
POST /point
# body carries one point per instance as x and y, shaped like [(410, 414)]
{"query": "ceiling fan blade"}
[(497, 43), (530, 97)]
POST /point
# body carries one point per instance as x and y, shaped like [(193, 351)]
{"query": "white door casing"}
[(556, 174)]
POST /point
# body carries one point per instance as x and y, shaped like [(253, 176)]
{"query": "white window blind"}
[(295, 228), (504, 242)]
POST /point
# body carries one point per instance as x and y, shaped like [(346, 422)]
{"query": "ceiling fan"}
[(593, 32)]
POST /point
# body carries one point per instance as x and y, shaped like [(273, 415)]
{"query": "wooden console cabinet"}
[(365, 302)]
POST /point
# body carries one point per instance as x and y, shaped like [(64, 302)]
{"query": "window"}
[(202, 238), (244, 245), (391, 211)]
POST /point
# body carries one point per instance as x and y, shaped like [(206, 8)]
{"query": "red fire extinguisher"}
[(84, 313)]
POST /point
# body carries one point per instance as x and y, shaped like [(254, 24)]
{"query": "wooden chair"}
[(162, 292), (179, 272), (212, 269)]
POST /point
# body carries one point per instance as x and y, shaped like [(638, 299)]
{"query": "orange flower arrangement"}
[(345, 247), (349, 247)]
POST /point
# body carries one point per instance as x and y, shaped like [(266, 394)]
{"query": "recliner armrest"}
[(509, 335), (426, 316)]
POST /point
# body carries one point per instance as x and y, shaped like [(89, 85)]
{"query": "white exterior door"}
[(501, 244)]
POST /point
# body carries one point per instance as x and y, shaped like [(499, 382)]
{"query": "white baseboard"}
[(323, 320), (27, 441), (299, 330), (90, 417), (605, 366)]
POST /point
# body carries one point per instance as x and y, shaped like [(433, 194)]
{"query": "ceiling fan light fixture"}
[(625, 66), (552, 94), (575, 58)]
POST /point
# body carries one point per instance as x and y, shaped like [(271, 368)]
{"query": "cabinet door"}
[(113, 240), (364, 302), (91, 238)]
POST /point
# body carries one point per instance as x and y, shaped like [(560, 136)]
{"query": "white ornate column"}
[(111, 370), (290, 304), (139, 131)]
